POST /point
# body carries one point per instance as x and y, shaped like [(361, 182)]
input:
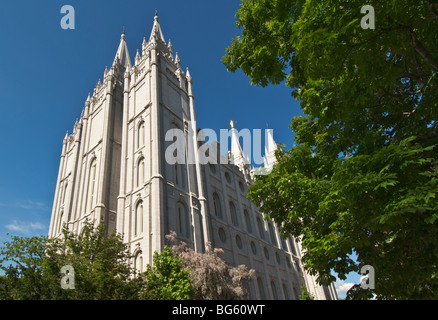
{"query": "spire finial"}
[(232, 124), (177, 61), (123, 32), (156, 14)]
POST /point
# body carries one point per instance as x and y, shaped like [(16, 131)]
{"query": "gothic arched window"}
[(140, 135), (285, 292), (182, 220), (217, 206), (138, 262), (260, 227), (233, 212), (138, 219), (261, 288), (179, 172), (140, 172), (247, 220), (272, 234), (274, 290)]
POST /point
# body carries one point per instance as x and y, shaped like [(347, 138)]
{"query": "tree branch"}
[(422, 51)]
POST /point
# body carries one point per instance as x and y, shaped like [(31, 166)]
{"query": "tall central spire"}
[(156, 29), (122, 54)]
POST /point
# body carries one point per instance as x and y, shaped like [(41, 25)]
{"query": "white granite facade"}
[(113, 170)]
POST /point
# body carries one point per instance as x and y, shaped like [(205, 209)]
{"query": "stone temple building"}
[(113, 170)]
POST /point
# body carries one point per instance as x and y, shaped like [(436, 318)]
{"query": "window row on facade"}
[(182, 220), (235, 220), (90, 194), (275, 292), (279, 256)]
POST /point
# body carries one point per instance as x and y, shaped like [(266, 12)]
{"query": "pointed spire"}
[(169, 46), (177, 61), (143, 46), (270, 148), (237, 155), (122, 55), (137, 57), (156, 30)]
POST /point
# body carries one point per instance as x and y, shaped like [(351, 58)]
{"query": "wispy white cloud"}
[(25, 227), (342, 287), (26, 205)]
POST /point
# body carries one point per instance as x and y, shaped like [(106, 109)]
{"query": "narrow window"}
[(138, 262), (182, 220), (261, 288), (239, 242), (140, 135), (247, 221), (285, 292), (179, 174), (272, 234), (140, 172), (234, 219), (260, 227), (138, 219), (296, 292), (222, 235), (217, 206), (274, 290)]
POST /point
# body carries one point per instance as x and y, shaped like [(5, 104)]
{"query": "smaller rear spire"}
[(237, 155)]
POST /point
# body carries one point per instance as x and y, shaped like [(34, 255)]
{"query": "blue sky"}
[(46, 74)]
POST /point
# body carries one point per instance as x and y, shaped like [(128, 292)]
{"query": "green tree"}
[(305, 295), (21, 261), (361, 176), (167, 279), (100, 262), (32, 267)]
